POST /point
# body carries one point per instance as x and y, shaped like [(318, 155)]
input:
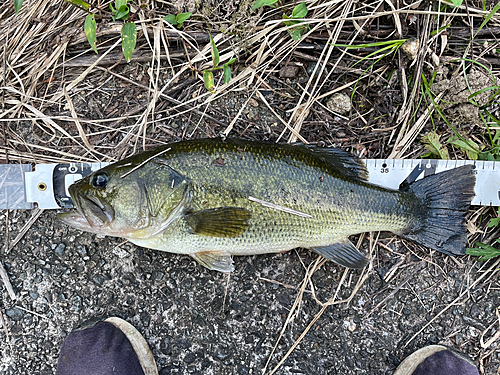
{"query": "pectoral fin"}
[(343, 253), (219, 222), (215, 260)]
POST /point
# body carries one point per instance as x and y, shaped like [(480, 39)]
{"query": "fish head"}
[(126, 198)]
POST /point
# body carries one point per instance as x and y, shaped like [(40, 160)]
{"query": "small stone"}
[(189, 358), (410, 47), (253, 102), (183, 343), (59, 250), (119, 252), (145, 318), (98, 279), (288, 71), (242, 369), (34, 295), (82, 250), (349, 325), (339, 103), (223, 354), (15, 313), (158, 275), (311, 66), (76, 304), (165, 347)]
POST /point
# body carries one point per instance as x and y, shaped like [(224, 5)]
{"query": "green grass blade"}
[(471, 96), (17, 5), (489, 17), (376, 44), (129, 39), (90, 31)]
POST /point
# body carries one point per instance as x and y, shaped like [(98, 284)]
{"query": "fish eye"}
[(100, 180)]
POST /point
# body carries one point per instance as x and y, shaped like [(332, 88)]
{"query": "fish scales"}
[(202, 189), (227, 175)]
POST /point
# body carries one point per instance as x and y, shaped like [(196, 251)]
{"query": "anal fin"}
[(215, 260), (343, 253)]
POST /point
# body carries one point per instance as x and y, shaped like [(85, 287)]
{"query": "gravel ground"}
[(65, 277), (195, 320)]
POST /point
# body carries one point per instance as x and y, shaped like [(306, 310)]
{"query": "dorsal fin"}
[(344, 162)]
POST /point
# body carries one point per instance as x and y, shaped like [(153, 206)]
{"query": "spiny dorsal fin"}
[(219, 222), (215, 260), (343, 253), (344, 162)]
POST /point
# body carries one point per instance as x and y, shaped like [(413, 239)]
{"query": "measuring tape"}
[(395, 173), (47, 185)]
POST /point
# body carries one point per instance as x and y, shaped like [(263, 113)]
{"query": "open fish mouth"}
[(89, 214)]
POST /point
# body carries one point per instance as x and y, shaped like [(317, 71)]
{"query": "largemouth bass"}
[(212, 199)]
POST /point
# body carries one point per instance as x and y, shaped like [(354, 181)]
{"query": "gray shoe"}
[(437, 360), (110, 347)]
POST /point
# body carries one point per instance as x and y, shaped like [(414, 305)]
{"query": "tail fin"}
[(446, 197)]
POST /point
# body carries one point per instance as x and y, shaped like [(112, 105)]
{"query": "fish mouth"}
[(89, 214)]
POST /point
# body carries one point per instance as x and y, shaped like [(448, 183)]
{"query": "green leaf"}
[(208, 78), (120, 3), (122, 12), (484, 251), (129, 38), (470, 147), (261, 3), (457, 3), (300, 11), (227, 73), (90, 31), (215, 52), (289, 23), (171, 19), (79, 3), (494, 221), (181, 17), (234, 59), (17, 5), (296, 33), (431, 142)]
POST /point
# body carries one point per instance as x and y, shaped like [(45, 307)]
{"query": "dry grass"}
[(49, 75)]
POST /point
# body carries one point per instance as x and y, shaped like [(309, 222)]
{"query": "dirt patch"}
[(457, 89)]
